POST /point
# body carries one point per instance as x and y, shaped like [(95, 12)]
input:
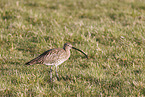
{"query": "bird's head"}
[(69, 46)]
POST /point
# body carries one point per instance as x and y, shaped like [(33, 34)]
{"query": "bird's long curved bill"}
[(80, 51)]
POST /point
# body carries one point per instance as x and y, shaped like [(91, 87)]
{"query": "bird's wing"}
[(54, 55), (49, 56)]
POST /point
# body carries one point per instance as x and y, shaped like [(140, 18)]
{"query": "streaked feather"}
[(51, 57)]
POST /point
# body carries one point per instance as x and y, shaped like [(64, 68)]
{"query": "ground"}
[(111, 32)]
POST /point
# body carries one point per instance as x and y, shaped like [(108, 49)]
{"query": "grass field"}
[(111, 32)]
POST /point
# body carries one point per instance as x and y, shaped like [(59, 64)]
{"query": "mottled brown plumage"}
[(54, 57)]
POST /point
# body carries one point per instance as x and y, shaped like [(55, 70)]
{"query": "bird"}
[(54, 57)]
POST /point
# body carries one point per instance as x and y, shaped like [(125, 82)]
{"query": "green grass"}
[(111, 32)]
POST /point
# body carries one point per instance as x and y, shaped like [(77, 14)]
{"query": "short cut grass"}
[(111, 32)]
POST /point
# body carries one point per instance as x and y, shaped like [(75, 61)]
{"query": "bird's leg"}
[(57, 73), (51, 73)]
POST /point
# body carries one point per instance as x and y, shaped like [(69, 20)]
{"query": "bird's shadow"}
[(66, 78), (61, 78)]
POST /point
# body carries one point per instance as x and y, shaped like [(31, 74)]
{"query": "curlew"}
[(55, 57)]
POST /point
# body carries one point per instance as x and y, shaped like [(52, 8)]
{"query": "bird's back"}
[(51, 57)]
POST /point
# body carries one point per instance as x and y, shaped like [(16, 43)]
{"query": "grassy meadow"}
[(111, 32)]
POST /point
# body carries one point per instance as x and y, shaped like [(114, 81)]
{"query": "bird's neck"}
[(67, 50)]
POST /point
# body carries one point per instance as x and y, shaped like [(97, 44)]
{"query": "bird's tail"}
[(29, 63), (33, 61), (38, 60)]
